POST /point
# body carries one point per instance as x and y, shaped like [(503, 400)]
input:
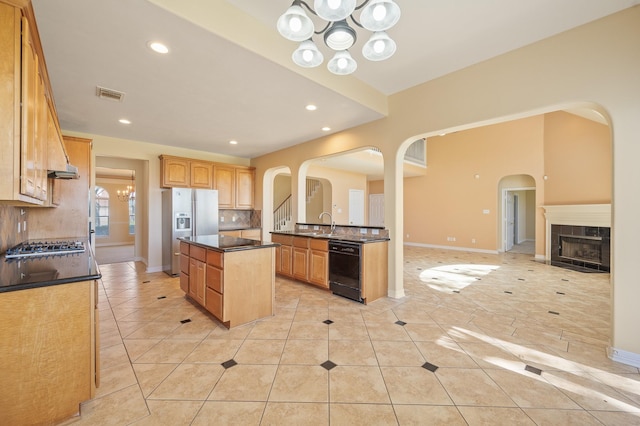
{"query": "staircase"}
[(282, 215)]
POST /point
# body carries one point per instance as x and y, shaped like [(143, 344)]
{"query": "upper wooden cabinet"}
[(224, 182), (245, 179), (201, 175), (174, 171), (235, 184), (26, 109)]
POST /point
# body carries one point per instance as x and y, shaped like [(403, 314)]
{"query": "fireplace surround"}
[(579, 237)]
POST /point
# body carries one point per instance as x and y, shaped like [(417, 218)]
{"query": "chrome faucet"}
[(333, 224)]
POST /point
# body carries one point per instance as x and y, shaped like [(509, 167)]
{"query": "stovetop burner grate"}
[(44, 248)]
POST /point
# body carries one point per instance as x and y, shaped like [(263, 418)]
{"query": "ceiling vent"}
[(104, 93)]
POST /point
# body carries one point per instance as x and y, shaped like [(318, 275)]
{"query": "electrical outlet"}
[(473, 241), (221, 218), (407, 235)]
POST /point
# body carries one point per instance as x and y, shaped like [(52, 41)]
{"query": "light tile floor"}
[(479, 339)]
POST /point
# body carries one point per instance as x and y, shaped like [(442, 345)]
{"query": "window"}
[(132, 214), (417, 153), (102, 212)]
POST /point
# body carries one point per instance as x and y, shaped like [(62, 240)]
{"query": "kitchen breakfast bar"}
[(232, 278)]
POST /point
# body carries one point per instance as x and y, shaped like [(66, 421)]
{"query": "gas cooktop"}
[(45, 248)]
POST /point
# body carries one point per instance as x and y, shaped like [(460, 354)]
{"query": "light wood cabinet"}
[(201, 174), (175, 172), (245, 179), (25, 105), (374, 263), (284, 254), (319, 262), (49, 360), (197, 273), (224, 182), (301, 258), (71, 197), (235, 184), (238, 285)]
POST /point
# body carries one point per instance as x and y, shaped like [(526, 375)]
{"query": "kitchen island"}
[(49, 356), (232, 278)]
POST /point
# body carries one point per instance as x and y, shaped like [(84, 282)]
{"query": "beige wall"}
[(341, 181), (591, 66), (577, 160), (376, 187)]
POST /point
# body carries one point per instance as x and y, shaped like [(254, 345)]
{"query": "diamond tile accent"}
[(430, 367), (184, 321), (328, 365), (402, 323), (328, 321), (533, 370), (229, 364)]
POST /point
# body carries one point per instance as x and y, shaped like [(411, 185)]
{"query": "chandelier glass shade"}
[(376, 16)]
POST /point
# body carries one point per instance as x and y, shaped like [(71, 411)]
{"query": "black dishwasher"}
[(345, 271)]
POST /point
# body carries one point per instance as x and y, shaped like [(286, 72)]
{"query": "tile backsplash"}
[(239, 219), (10, 217)]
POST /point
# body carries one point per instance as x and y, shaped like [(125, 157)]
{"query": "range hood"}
[(70, 172)]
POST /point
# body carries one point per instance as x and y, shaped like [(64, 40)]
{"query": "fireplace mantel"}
[(575, 214)]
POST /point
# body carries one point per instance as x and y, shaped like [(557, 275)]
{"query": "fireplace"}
[(584, 248), (579, 237)]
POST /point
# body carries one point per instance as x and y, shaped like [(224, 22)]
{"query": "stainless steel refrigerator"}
[(185, 212)]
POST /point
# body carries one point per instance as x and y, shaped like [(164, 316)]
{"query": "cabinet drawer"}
[(302, 242), (184, 248), (285, 240), (214, 279), (198, 253), (319, 244), (215, 258), (213, 303), (184, 264)]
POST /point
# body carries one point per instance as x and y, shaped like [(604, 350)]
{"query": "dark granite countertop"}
[(226, 243), (43, 271), (329, 236)]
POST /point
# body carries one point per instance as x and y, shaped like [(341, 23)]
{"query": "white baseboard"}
[(624, 357), (475, 250), (394, 294), (541, 257)]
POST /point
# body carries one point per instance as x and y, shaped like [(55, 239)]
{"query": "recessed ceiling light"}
[(233, 142), (326, 129), (158, 47), (124, 121), (311, 107)]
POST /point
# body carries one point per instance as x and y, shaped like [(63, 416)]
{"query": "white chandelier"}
[(376, 16)]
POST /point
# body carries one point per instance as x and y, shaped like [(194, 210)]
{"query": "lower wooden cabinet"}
[(234, 286), (49, 356), (304, 258), (319, 262)]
